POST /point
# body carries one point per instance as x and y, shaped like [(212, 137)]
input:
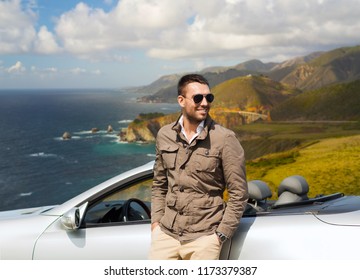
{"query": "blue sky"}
[(114, 44)]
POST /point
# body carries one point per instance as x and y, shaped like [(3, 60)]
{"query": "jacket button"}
[(181, 189), (180, 233), (181, 212)]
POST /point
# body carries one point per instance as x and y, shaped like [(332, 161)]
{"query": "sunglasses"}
[(197, 98)]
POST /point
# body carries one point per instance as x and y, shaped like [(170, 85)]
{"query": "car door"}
[(108, 230)]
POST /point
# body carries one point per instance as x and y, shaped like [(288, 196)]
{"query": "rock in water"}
[(66, 135)]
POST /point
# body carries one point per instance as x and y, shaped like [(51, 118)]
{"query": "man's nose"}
[(204, 102)]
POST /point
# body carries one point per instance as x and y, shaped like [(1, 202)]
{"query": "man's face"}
[(194, 112)]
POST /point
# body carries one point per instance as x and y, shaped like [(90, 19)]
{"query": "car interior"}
[(132, 203), (292, 191)]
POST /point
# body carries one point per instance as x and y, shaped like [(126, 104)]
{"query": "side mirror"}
[(71, 219)]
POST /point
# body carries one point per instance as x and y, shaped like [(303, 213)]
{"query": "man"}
[(195, 160)]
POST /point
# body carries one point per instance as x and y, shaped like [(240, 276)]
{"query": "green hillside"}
[(330, 165), (338, 102), (251, 91), (329, 57)]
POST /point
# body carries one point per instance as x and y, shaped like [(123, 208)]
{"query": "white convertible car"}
[(112, 221)]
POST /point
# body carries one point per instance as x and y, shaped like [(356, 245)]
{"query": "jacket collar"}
[(207, 126)]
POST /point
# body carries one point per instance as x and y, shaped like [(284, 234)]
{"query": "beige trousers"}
[(165, 247)]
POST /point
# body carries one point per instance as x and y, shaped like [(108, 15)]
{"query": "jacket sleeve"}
[(233, 162), (159, 188)]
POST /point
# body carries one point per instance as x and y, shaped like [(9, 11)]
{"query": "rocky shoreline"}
[(146, 126), (67, 135)]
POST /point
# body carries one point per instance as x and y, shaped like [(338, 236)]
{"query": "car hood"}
[(341, 212), (19, 230), (11, 214)]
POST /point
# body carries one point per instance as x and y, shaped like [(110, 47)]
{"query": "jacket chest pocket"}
[(207, 160), (168, 155)]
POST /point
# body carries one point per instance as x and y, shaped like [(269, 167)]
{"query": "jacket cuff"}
[(228, 233)]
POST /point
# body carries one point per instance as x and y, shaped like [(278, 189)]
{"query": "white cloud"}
[(45, 42), (168, 29), (51, 70), (78, 71), (16, 27), (16, 68), (131, 24), (48, 70), (218, 28), (267, 26)]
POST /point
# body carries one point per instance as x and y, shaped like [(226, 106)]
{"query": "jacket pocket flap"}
[(168, 148), (207, 160), (208, 153), (170, 202), (168, 153)]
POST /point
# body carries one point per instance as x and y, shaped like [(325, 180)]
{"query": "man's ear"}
[(181, 100)]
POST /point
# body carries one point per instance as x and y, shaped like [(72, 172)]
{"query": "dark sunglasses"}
[(197, 98)]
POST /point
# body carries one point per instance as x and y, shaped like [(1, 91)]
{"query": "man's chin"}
[(203, 115)]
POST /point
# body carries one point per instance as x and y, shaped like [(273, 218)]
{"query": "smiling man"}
[(195, 160)]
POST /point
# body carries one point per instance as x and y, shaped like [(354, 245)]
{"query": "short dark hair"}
[(191, 78)]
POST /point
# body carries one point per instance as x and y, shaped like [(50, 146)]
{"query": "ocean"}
[(38, 167)]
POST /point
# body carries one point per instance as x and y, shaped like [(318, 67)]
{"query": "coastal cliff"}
[(145, 129)]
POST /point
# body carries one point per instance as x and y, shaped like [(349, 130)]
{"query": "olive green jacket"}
[(189, 181)]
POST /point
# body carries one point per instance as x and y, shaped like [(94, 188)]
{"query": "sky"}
[(116, 44)]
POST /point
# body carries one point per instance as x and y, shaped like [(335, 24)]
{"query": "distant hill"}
[(167, 86), (335, 102), (254, 65), (251, 92), (308, 72), (158, 85), (336, 66), (281, 70)]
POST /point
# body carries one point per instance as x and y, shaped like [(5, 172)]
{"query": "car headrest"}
[(259, 190), (288, 197), (295, 184)]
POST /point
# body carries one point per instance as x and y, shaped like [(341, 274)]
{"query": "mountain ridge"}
[(307, 72)]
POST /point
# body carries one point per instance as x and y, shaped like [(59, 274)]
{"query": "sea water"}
[(38, 167)]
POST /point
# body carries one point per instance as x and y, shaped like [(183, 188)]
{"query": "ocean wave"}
[(89, 132), (43, 155), (125, 121), (83, 132), (151, 155), (72, 137), (119, 141), (102, 135), (25, 194), (88, 135), (111, 135)]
